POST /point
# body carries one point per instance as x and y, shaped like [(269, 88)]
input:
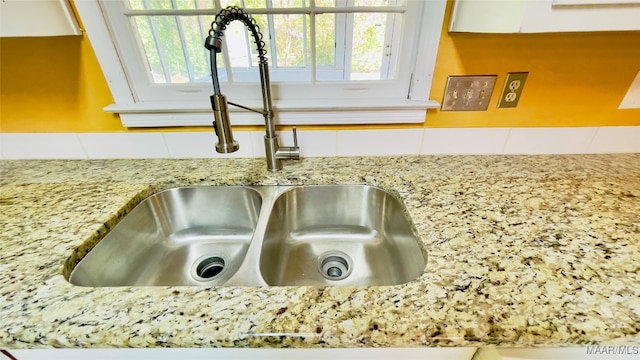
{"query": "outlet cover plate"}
[(468, 93), (512, 89)]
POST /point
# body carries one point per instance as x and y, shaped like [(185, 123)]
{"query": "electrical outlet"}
[(468, 93), (512, 90)]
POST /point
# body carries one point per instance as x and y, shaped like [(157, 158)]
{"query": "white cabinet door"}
[(37, 18), (535, 16)]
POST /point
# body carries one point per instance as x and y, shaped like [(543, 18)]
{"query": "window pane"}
[(325, 3), (288, 3), (135, 4), (237, 45), (205, 4), (225, 3), (196, 53), (246, 4), (325, 40), (157, 4), (184, 4), (348, 46), (262, 4), (290, 31), (368, 44), (171, 46), (169, 4), (143, 25), (250, 4), (263, 23), (163, 47), (378, 2), (241, 49)]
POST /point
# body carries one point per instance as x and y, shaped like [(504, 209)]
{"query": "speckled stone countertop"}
[(523, 251)]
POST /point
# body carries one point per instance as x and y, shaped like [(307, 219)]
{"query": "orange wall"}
[(53, 84), (575, 79)]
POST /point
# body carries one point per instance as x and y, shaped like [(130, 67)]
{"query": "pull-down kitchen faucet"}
[(226, 143)]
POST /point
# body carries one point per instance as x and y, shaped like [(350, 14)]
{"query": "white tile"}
[(41, 146), (124, 145), (561, 140), (257, 142), (464, 140), (379, 142), (314, 143), (616, 139), (183, 145)]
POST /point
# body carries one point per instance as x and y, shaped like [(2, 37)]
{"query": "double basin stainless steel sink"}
[(319, 235)]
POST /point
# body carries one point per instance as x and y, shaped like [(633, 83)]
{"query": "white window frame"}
[(352, 103)]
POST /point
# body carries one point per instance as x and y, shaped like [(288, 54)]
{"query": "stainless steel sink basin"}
[(181, 236), (320, 235), (339, 235)]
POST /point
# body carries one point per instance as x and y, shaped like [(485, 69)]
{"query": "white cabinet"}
[(536, 16), (37, 18)]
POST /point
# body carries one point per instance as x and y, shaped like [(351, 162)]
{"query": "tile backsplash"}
[(553, 140)]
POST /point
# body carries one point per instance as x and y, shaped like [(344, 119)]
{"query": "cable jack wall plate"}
[(468, 93), (512, 90)]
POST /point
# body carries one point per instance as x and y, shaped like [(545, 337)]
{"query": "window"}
[(293, 52), (325, 57)]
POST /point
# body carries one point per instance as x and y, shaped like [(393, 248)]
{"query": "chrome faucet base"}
[(227, 148), (271, 146), (277, 153)]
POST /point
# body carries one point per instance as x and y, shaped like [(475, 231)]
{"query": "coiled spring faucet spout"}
[(226, 143)]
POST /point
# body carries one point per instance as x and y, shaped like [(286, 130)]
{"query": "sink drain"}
[(335, 265), (209, 268)]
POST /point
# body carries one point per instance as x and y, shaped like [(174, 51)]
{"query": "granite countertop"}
[(522, 251)]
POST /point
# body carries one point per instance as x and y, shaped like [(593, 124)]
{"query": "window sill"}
[(288, 112)]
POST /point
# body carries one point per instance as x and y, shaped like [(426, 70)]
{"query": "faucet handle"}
[(285, 152), (294, 151), (295, 137)]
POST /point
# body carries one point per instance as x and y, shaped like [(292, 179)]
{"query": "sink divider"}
[(248, 274)]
